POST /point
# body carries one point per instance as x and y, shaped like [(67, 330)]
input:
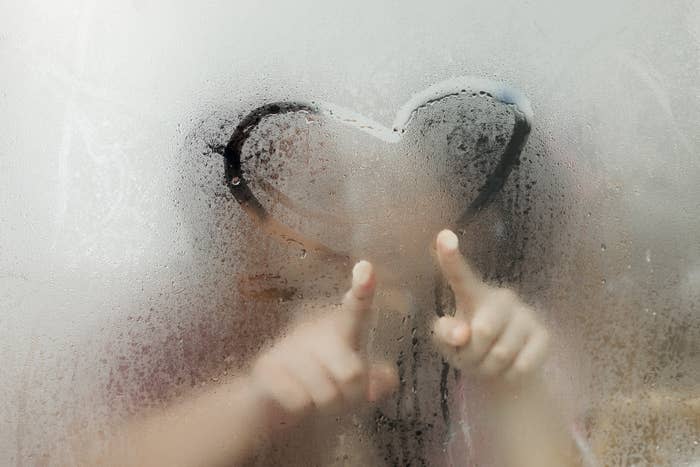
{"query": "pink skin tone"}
[(493, 334), (321, 368)]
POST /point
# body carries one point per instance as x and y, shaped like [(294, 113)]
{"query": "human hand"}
[(493, 334), (321, 366)]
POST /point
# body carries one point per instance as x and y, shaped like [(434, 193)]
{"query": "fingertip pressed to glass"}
[(447, 241), (362, 274)]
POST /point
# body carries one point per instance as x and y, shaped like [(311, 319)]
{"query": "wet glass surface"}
[(135, 272)]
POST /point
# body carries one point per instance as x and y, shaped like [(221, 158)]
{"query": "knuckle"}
[(354, 370), (501, 354), (297, 402), (329, 396), (483, 330), (521, 368)]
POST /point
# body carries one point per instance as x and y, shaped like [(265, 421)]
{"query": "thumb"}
[(451, 331), (383, 380), (449, 335)]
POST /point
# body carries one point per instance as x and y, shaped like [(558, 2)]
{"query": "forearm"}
[(528, 428), (221, 427)]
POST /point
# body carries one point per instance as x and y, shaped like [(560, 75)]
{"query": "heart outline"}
[(500, 92)]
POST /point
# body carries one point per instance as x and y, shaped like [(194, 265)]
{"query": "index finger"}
[(357, 302), (464, 281)]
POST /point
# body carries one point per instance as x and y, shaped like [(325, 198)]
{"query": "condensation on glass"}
[(130, 276)]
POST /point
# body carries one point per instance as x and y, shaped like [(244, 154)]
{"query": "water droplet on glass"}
[(603, 247), (303, 254), (235, 181)]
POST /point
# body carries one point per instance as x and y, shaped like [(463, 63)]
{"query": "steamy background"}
[(128, 275)]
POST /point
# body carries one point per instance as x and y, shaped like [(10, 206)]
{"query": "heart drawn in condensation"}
[(302, 169)]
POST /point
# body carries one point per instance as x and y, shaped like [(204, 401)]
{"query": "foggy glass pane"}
[(142, 266)]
